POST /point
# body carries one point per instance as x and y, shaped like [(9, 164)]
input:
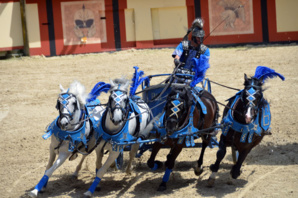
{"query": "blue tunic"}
[(192, 53)]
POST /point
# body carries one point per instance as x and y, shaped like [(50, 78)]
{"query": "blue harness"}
[(74, 137), (122, 137), (188, 131), (247, 129)]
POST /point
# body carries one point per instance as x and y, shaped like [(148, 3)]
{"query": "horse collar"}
[(247, 129), (184, 130), (120, 136), (74, 137)]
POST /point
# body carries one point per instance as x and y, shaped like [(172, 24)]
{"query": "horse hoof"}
[(74, 177), (231, 181), (211, 182), (87, 194), (128, 173), (235, 173), (162, 187), (213, 168), (73, 157), (198, 171), (33, 193)]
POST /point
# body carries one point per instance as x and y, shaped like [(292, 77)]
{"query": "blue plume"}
[(97, 89), (266, 72), (200, 67), (137, 79)]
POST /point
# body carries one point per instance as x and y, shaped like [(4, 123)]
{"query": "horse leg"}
[(170, 165), (132, 154), (63, 155), (154, 165), (199, 169), (101, 171), (52, 156), (235, 172), (79, 167), (99, 155), (222, 149)]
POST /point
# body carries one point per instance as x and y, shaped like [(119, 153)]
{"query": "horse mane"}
[(123, 82), (78, 89)]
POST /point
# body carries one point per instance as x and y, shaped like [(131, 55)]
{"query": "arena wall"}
[(54, 27)]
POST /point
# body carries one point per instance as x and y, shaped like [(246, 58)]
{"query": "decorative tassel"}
[(137, 79), (97, 89)]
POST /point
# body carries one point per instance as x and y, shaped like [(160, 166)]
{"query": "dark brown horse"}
[(182, 111), (247, 120)]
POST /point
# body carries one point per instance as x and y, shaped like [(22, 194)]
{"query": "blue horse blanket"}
[(260, 123)]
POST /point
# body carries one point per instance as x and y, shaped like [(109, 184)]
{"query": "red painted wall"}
[(275, 36)]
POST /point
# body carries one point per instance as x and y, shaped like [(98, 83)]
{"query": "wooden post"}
[(24, 28)]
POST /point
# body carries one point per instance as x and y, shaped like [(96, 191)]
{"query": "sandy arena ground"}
[(28, 94)]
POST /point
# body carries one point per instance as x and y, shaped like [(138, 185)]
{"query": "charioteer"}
[(191, 59), (189, 54)]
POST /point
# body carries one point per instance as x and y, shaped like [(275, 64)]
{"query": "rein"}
[(222, 85), (220, 102), (224, 105), (147, 111), (90, 116)]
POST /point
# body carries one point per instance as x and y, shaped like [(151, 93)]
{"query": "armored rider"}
[(187, 50)]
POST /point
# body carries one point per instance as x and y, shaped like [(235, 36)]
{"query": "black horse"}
[(183, 111), (247, 120)]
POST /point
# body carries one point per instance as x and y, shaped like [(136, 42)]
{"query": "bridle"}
[(117, 96), (252, 90), (63, 100), (177, 102)]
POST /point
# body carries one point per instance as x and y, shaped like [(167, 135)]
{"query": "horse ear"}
[(261, 79), (126, 85), (112, 83), (61, 88), (245, 77)]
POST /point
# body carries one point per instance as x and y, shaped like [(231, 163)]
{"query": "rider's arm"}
[(177, 54), (178, 51)]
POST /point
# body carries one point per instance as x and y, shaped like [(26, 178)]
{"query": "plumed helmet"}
[(197, 28)]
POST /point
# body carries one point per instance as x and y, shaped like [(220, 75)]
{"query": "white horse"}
[(125, 120), (73, 130)]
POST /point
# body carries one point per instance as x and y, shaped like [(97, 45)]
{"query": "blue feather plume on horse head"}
[(266, 72), (200, 67), (97, 89), (137, 79)]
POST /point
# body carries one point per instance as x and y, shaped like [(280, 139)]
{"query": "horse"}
[(126, 120), (187, 109), (72, 131), (247, 120)]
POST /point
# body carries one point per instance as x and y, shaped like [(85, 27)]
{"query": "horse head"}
[(118, 103), (252, 96), (70, 104), (177, 108)]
